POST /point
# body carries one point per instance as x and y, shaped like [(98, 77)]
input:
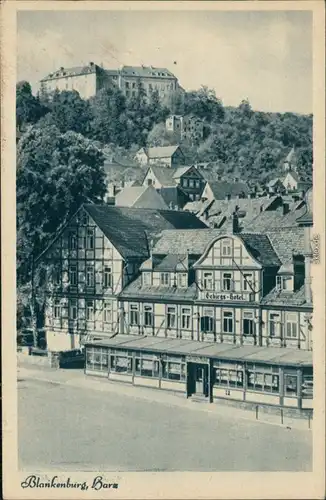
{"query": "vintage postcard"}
[(163, 249)]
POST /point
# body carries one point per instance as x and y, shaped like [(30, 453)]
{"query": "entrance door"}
[(197, 379)]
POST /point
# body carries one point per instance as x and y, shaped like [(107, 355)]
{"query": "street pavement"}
[(71, 427)]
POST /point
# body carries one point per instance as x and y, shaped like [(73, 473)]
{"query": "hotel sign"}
[(225, 296)]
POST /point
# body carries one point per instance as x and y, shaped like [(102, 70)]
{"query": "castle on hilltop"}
[(89, 79)]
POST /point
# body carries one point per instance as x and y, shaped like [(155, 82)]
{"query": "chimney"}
[(232, 224), (286, 208), (228, 197)]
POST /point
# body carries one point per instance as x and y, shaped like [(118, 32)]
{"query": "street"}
[(62, 427)]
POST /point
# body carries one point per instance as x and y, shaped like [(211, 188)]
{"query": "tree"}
[(159, 136), (68, 111), (28, 107), (204, 104)]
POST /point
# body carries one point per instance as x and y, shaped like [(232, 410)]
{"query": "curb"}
[(94, 384)]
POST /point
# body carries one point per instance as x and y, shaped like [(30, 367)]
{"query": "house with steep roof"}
[(168, 156), (221, 190), (276, 186), (140, 197)]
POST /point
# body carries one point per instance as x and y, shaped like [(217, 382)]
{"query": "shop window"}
[(108, 277), (73, 309), (107, 312), (147, 278), (148, 316), (96, 359), (228, 322), (291, 326), (90, 310), (171, 317), (182, 280), (274, 325), (146, 366), (248, 324), (307, 384), (228, 378), (207, 323), (57, 309), (290, 384), (263, 379), (73, 274), (227, 282), (165, 279), (173, 369), (208, 281), (90, 275), (185, 318), (134, 314), (226, 248), (120, 361), (247, 282)]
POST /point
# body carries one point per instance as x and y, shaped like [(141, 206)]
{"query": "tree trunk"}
[(34, 325)]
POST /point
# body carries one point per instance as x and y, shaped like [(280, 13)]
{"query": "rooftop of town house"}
[(164, 175), (129, 228), (250, 354), (137, 289), (140, 197), (269, 219), (74, 71), (286, 298), (307, 217), (221, 189), (274, 181), (161, 151), (178, 172), (173, 195), (287, 242), (171, 263), (146, 72)]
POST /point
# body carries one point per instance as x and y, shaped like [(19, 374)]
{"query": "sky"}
[(265, 57)]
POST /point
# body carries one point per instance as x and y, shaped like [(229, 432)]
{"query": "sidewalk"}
[(77, 378)]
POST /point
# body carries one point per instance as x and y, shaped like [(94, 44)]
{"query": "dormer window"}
[(147, 278), (165, 279), (284, 283)]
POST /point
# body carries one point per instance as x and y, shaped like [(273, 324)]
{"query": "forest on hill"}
[(239, 141)]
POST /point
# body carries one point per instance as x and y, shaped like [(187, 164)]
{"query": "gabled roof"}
[(260, 248), (272, 182), (163, 175), (130, 228), (287, 242), (162, 151), (293, 174), (274, 219), (221, 189), (74, 71), (172, 262), (140, 197), (181, 171), (192, 241)]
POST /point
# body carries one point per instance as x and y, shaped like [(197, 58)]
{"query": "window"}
[(174, 368), (107, 277), (148, 316), (165, 279), (208, 281), (185, 318), (57, 276), (147, 278), (134, 314), (171, 317), (73, 309), (90, 310), (227, 282), (150, 182), (73, 275), (127, 85), (263, 378), (185, 182), (182, 280), (248, 324), (90, 276), (290, 384), (57, 309), (228, 378), (147, 365), (191, 183), (274, 325), (291, 326), (284, 283), (96, 359), (228, 322), (120, 361), (207, 321), (107, 312), (226, 248), (197, 184), (90, 239), (72, 241), (307, 383), (133, 85), (247, 282)]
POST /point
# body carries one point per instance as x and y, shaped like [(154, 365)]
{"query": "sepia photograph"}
[(166, 256)]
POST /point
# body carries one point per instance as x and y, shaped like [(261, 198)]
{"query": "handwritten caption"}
[(98, 483)]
